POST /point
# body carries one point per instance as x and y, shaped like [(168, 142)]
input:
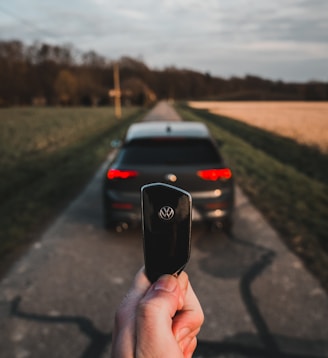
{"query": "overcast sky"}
[(280, 39)]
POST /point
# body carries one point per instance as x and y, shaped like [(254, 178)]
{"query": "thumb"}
[(154, 319)]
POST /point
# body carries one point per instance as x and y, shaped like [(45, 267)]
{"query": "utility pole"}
[(117, 89)]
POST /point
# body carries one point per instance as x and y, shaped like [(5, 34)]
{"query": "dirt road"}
[(259, 300)]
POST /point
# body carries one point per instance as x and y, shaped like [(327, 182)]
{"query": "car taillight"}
[(215, 174), (121, 174)]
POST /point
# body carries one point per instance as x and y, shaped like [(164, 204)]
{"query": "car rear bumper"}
[(210, 206)]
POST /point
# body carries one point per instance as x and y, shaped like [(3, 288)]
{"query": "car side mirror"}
[(116, 143)]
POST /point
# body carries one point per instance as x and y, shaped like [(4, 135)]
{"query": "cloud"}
[(217, 36)]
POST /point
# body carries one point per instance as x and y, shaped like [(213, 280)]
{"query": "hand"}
[(158, 320)]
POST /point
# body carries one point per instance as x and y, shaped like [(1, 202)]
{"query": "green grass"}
[(47, 156), (294, 201)]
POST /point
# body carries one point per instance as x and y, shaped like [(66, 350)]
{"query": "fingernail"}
[(166, 283)]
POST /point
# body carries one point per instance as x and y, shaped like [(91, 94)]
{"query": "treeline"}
[(43, 74)]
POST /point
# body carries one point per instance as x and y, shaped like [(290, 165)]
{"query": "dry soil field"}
[(305, 122)]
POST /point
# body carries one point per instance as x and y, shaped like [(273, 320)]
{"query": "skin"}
[(159, 320)]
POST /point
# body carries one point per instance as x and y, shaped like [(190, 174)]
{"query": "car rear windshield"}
[(163, 151)]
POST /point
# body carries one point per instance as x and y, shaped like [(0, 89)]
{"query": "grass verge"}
[(294, 202), (37, 184)]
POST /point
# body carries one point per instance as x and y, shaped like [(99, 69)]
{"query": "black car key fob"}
[(166, 224)]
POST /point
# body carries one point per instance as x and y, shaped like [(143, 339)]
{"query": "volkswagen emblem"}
[(166, 213)]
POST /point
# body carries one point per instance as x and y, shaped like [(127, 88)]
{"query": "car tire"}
[(107, 222), (227, 226)]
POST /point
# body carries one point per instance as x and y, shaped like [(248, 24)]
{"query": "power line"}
[(27, 23)]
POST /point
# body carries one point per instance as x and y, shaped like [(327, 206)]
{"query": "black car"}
[(182, 154)]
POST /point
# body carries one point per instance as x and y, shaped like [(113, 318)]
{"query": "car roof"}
[(167, 129)]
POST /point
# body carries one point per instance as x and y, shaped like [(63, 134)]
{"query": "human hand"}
[(158, 320)]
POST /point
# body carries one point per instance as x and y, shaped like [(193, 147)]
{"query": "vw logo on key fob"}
[(166, 224)]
